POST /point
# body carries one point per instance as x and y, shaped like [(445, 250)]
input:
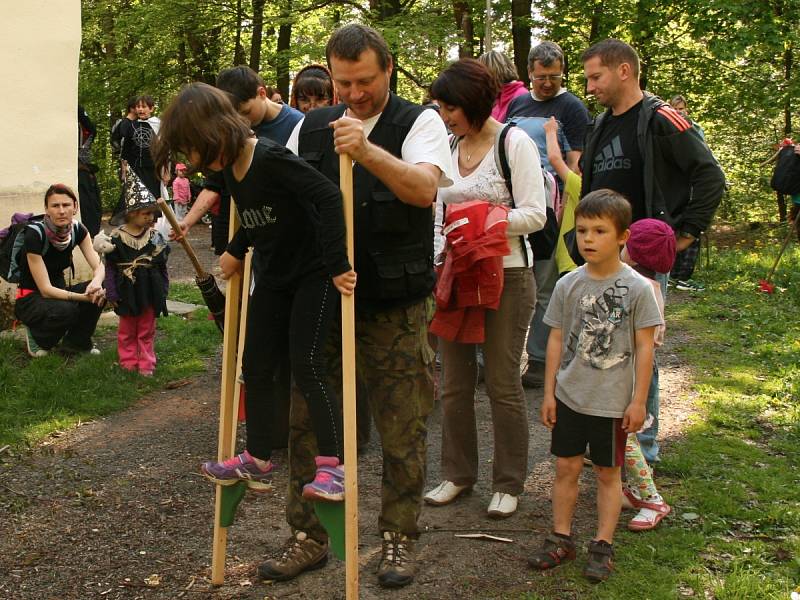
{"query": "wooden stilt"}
[(227, 406), (349, 395)]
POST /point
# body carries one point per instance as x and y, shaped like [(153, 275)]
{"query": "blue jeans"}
[(647, 438), (546, 274)]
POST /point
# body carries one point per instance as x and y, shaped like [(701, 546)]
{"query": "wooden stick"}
[(786, 240), (227, 410), (173, 221), (237, 388), (349, 395)]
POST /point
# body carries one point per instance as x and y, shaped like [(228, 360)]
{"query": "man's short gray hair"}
[(546, 53)]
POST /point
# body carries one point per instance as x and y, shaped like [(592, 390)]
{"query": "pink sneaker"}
[(328, 484), (241, 467)]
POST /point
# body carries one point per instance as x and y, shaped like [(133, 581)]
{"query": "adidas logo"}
[(611, 157)]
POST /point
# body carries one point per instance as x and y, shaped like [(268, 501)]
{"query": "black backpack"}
[(12, 243), (786, 177), (543, 242)]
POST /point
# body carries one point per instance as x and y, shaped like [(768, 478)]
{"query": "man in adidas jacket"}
[(645, 149)]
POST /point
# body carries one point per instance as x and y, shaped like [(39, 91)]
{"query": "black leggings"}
[(49, 320), (298, 322)]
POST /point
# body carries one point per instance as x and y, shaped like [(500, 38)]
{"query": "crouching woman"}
[(52, 310)]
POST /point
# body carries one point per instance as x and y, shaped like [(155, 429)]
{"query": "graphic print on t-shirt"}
[(604, 317), (611, 157), (142, 136), (617, 163)]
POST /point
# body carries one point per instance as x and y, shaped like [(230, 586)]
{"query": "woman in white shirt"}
[(465, 92)]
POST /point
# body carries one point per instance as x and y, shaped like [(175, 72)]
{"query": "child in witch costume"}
[(293, 217), (136, 276)]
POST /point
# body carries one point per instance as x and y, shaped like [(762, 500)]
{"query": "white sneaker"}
[(502, 505), (444, 493)]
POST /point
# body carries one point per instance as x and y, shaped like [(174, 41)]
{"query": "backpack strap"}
[(501, 160)]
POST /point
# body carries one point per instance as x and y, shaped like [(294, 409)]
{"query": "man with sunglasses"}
[(530, 112)]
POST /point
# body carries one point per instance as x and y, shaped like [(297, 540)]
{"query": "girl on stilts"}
[(293, 215)]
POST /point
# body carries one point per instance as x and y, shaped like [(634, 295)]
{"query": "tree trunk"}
[(521, 35), (463, 16), (283, 54), (258, 28), (787, 97), (238, 49)]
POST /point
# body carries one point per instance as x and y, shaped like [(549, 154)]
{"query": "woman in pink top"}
[(504, 71)]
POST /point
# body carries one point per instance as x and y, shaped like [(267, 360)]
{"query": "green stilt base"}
[(331, 515), (231, 497)]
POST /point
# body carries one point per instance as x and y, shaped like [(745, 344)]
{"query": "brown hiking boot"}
[(301, 553), (600, 561), (397, 567), (554, 551)]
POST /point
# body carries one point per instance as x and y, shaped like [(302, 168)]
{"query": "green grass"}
[(38, 397), (736, 466)]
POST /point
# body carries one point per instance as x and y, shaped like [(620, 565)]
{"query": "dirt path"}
[(116, 509)]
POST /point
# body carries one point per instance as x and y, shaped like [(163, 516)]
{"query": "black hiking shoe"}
[(300, 554), (397, 567)]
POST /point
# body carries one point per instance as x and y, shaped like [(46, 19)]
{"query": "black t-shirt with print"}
[(292, 214), (618, 163)]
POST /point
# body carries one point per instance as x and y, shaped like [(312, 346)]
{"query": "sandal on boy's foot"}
[(650, 515), (328, 484), (600, 561), (555, 550), (241, 467)]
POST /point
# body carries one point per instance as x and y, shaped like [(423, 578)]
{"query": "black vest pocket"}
[(388, 214), (404, 272)]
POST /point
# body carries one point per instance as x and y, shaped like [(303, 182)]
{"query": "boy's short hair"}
[(145, 99), (241, 83), (132, 102), (613, 53), (606, 203)]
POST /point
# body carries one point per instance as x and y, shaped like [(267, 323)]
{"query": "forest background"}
[(736, 62)]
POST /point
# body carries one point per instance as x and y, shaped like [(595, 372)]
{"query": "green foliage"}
[(737, 63)]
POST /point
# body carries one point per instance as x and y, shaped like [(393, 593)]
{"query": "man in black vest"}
[(401, 156)]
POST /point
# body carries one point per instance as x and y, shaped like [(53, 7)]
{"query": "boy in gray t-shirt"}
[(599, 362)]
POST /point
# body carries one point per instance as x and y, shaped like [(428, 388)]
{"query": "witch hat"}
[(136, 196)]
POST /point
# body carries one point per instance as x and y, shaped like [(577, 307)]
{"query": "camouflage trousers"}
[(394, 362)]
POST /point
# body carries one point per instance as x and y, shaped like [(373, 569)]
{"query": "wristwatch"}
[(686, 234)]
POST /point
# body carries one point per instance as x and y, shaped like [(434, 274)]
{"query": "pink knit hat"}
[(652, 245)]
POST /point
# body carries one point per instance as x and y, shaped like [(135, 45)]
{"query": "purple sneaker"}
[(328, 484), (239, 468)]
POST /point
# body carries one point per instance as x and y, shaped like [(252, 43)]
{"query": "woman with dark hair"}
[(465, 92), (49, 307), (312, 88), (292, 215), (505, 73)]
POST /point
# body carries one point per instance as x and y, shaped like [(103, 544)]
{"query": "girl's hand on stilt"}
[(229, 265), (345, 283)]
